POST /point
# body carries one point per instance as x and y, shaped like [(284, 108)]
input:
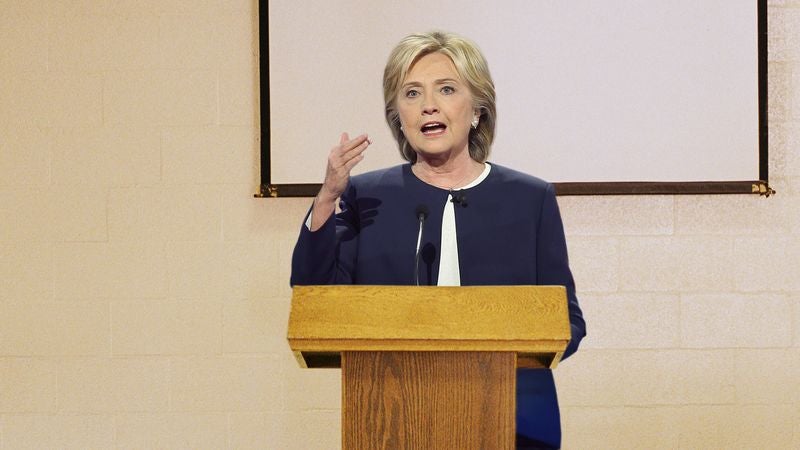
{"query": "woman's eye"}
[(412, 93), (448, 90)]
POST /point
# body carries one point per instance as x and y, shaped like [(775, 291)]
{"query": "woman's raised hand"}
[(341, 161)]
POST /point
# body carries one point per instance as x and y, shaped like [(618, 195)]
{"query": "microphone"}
[(459, 198), (422, 213)]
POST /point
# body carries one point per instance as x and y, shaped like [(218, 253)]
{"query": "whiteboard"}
[(587, 90)]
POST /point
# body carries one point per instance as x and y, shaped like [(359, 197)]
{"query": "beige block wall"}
[(144, 291)]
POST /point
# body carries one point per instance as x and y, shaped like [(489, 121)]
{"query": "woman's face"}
[(435, 107)]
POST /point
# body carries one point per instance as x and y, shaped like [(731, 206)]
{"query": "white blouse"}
[(449, 274)]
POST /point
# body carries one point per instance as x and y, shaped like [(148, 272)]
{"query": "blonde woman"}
[(484, 224)]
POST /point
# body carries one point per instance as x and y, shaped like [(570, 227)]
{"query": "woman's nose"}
[(429, 105)]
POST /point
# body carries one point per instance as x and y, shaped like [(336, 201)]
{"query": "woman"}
[(485, 225)]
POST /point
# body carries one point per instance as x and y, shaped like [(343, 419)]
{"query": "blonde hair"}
[(472, 69)]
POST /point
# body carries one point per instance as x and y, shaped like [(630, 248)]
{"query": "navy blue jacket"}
[(509, 233)]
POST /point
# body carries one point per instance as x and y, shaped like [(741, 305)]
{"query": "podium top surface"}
[(531, 321)]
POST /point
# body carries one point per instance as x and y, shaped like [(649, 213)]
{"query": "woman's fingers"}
[(357, 150), (352, 163), (341, 161), (348, 149), (355, 144)]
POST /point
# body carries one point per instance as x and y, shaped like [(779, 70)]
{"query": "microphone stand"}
[(422, 213)]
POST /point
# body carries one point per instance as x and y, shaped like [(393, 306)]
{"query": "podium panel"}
[(428, 400)]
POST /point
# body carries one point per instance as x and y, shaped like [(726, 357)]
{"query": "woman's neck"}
[(447, 173)]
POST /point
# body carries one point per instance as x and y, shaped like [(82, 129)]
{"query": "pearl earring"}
[(474, 123)]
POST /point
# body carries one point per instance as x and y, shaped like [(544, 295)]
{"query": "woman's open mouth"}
[(433, 129)]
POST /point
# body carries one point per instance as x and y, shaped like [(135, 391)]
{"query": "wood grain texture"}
[(428, 400), (529, 320)]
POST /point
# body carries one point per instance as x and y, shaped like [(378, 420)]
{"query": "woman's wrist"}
[(324, 196)]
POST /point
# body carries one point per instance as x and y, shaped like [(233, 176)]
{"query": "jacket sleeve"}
[(553, 264), (328, 255)]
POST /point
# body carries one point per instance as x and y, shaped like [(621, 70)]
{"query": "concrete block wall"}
[(144, 291)]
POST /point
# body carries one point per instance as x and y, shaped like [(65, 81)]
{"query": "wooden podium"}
[(428, 367)]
